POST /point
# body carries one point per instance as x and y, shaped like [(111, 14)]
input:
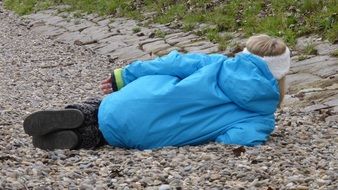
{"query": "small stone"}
[(290, 185), (301, 187), (84, 186), (322, 182), (164, 187), (137, 185), (175, 183), (214, 177), (151, 35), (35, 172), (187, 168), (17, 185)]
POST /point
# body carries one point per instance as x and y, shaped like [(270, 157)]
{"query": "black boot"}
[(65, 139), (72, 128), (44, 122), (84, 137)]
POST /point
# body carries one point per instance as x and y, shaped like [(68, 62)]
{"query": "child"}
[(176, 100)]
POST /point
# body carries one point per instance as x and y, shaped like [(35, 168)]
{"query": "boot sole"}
[(44, 122), (65, 139)]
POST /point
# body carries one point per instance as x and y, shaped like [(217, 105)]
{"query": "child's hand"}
[(105, 86)]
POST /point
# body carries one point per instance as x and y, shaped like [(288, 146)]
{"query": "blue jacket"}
[(190, 99)]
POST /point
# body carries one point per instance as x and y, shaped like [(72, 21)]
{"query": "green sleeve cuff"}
[(117, 75)]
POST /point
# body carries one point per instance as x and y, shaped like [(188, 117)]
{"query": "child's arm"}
[(247, 134), (174, 64)]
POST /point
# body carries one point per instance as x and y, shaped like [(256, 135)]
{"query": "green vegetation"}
[(102, 7), (335, 53), (310, 50), (136, 30), (288, 19), (27, 6), (302, 57), (160, 34)]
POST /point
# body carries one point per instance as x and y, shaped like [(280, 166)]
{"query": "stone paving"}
[(119, 38), (313, 82)]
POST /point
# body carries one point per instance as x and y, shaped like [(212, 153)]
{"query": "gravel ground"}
[(37, 73)]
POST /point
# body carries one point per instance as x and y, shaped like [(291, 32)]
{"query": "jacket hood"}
[(248, 82)]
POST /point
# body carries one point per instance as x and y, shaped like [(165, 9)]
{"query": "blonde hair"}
[(264, 45)]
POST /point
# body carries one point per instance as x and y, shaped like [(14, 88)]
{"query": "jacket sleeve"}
[(247, 134), (174, 64)]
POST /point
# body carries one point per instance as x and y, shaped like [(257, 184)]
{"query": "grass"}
[(287, 19), (102, 7), (335, 53), (302, 57), (310, 50), (136, 30), (188, 27), (23, 7), (160, 34)]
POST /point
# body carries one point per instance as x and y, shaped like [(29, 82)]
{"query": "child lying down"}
[(176, 100)]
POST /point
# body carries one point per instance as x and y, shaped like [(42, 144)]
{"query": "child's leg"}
[(89, 108), (62, 136), (90, 135)]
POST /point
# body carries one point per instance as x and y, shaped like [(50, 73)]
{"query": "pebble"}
[(164, 187), (301, 187), (187, 168), (86, 187)]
